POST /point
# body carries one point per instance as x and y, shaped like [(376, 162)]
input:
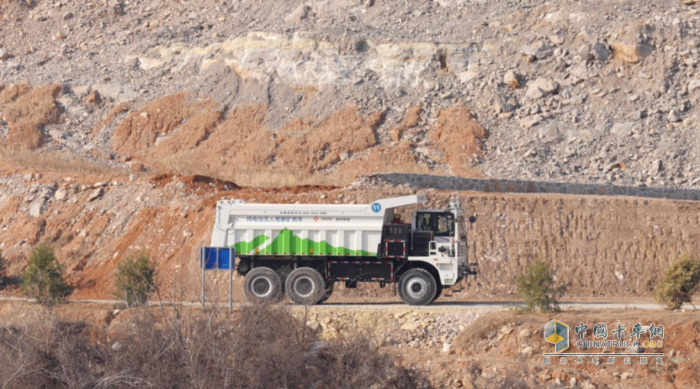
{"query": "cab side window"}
[(439, 223)]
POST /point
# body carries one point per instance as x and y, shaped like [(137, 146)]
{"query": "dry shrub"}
[(459, 137), (44, 352), (411, 120), (12, 92), (29, 113), (140, 129), (258, 347)]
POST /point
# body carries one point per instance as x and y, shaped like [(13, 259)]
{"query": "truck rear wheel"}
[(417, 287), (305, 286), (329, 292), (262, 284)]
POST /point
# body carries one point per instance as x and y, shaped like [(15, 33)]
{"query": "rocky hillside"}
[(289, 92)]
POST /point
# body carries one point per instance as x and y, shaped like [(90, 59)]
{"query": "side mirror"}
[(472, 219)]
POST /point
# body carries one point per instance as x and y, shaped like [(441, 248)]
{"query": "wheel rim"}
[(416, 287), (261, 286), (304, 286)]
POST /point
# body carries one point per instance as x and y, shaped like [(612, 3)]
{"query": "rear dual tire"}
[(262, 284), (306, 286)]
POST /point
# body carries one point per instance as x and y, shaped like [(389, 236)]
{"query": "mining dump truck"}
[(302, 250)]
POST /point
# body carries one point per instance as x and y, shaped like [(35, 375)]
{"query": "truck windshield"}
[(442, 224)]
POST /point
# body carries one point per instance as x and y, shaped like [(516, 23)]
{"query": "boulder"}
[(540, 88), (600, 52), (512, 79), (693, 85), (61, 194), (96, 194), (634, 44), (530, 121), (37, 209), (538, 50), (300, 13)]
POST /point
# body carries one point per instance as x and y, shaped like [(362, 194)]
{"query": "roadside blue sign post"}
[(218, 258)]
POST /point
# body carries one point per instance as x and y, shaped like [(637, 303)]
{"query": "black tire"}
[(438, 291), (417, 287), (329, 292), (262, 284), (305, 286)]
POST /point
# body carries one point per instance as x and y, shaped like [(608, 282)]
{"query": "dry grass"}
[(140, 129), (459, 137), (12, 92), (243, 150), (411, 120), (242, 141), (313, 146), (196, 139), (52, 162), (29, 113), (398, 159), (251, 176), (195, 130)]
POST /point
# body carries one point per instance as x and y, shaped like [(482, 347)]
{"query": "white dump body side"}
[(304, 229)]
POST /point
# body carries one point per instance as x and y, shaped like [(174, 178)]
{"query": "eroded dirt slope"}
[(600, 248)]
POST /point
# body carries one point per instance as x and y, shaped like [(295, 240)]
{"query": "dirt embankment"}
[(601, 248)]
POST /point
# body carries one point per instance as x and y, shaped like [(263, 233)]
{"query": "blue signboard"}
[(218, 258), (376, 207)]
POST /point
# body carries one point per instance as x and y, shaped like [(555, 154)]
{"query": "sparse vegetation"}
[(43, 278), (135, 280), (3, 266), (680, 282), (536, 287), (262, 347), (58, 162), (29, 113)]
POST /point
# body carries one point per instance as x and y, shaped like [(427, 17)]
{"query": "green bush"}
[(680, 282), (536, 287), (43, 278), (135, 280)]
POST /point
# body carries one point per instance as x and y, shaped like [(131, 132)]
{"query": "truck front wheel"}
[(417, 287), (305, 286), (262, 284)]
